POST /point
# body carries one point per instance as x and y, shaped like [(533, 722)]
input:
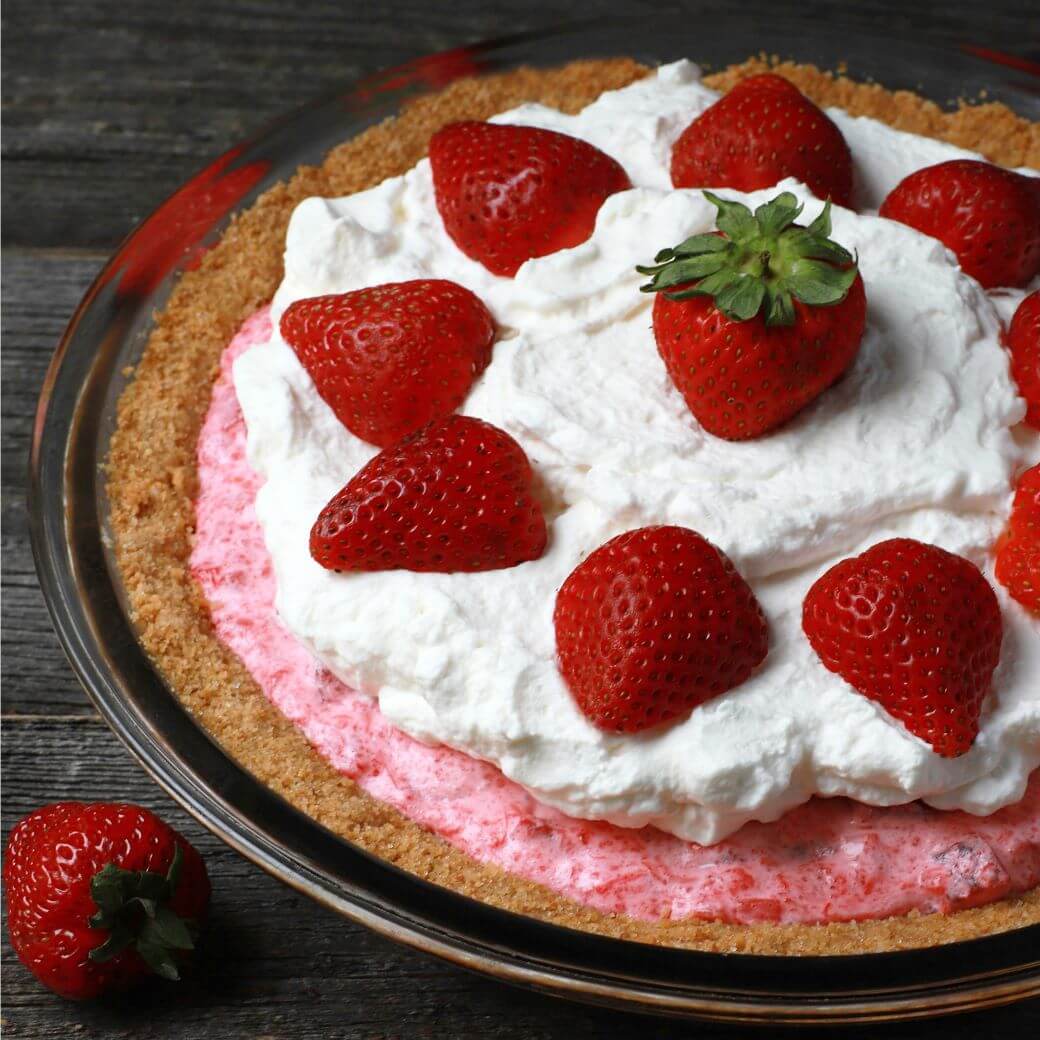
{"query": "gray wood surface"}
[(108, 106)]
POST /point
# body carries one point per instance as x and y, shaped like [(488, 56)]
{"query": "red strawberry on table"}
[(762, 131), (756, 322), (394, 357), (456, 496), (914, 628), (1018, 550), (99, 895), (1023, 340), (510, 193), (652, 624), (988, 216)]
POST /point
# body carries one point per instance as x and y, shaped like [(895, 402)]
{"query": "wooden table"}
[(108, 106)]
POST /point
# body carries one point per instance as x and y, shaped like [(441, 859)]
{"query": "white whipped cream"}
[(915, 441)]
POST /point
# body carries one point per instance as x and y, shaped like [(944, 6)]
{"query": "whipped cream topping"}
[(827, 860), (915, 441)]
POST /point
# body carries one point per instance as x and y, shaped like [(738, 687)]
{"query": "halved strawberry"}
[(509, 193), (652, 624), (394, 357), (1023, 340), (1025, 510), (1018, 549), (456, 496), (914, 628), (762, 131), (988, 216), (755, 323)]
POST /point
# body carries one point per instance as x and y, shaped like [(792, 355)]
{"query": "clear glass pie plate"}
[(76, 418)]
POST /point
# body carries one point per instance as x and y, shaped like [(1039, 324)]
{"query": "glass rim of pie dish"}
[(81, 584)]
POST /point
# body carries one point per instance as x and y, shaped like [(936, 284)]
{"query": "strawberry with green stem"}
[(755, 321), (99, 895)]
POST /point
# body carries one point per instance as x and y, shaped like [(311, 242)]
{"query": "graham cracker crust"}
[(152, 483)]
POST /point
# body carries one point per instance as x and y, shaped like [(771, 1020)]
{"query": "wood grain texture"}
[(108, 106), (40, 289)]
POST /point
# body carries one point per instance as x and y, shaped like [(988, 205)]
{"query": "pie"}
[(463, 759)]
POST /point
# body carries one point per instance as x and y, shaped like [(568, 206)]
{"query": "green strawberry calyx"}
[(133, 906), (761, 261)]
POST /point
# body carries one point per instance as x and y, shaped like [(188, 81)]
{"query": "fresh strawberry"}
[(914, 628), (1018, 570), (988, 216), (456, 496), (1025, 509), (756, 322), (652, 624), (392, 358), (1018, 550), (101, 894), (1023, 340), (510, 193), (762, 131)]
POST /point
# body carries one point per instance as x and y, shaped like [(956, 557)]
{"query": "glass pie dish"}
[(83, 588)]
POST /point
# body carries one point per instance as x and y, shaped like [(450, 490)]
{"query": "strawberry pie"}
[(613, 494)]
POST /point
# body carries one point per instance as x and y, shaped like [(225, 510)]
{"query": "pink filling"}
[(828, 860)]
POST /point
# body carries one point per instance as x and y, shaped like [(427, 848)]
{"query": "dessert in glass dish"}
[(624, 513)]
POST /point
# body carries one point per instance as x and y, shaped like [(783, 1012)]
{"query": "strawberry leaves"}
[(771, 217), (818, 284), (760, 261), (735, 220), (738, 295), (133, 906)]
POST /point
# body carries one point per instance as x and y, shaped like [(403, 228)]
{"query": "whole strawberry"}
[(914, 628), (755, 323), (652, 624), (762, 131), (1018, 549), (456, 496), (1023, 340), (101, 894), (392, 358), (510, 193), (988, 216)]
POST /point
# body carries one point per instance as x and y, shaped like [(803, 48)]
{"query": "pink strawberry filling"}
[(828, 860)]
